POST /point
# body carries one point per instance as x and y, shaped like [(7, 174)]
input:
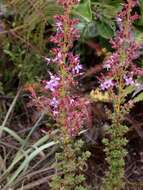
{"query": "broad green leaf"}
[(111, 11), (83, 10), (104, 29), (108, 10), (90, 30)]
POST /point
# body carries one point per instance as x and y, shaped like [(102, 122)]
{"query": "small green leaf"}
[(139, 98), (10, 54), (128, 90)]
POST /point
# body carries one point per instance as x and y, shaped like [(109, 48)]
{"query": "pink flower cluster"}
[(63, 23), (69, 110), (53, 83), (126, 50), (66, 34)]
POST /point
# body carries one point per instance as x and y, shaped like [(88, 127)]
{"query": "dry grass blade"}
[(26, 162), (9, 112)]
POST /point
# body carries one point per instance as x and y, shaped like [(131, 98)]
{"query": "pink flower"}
[(126, 50), (77, 69), (58, 58), (59, 23), (128, 80), (107, 84), (63, 106), (54, 103), (111, 61), (53, 83), (73, 59), (48, 60)]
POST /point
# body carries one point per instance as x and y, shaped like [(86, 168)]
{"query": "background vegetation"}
[(27, 147)]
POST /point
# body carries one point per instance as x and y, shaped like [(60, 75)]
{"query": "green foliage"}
[(17, 167), (104, 30), (21, 59), (138, 98), (34, 13), (83, 10), (70, 165), (24, 44), (24, 47), (140, 21), (101, 22), (98, 19), (115, 142), (115, 154), (26, 65), (104, 14), (127, 91), (31, 25)]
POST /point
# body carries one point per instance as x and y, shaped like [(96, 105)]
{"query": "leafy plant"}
[(119, 81)]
